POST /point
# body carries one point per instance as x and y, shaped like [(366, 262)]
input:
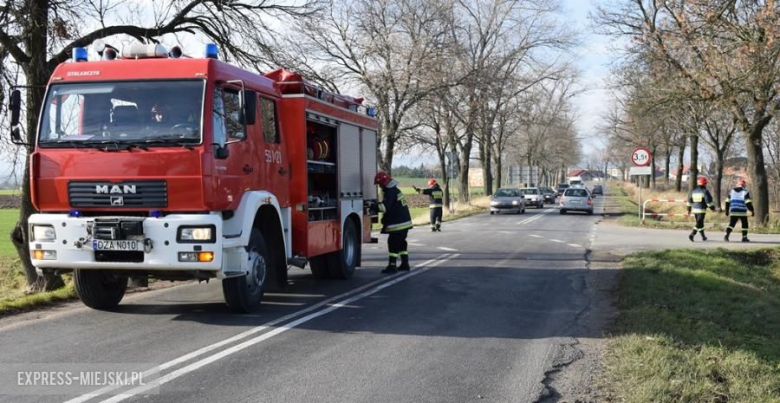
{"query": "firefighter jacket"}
[(396, 213), (435, 196), (699, 200), (738, 202)]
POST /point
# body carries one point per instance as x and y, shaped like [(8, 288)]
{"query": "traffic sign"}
[(641, 157), (634, 171)]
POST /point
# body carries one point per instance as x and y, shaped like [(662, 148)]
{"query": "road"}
[(492, 304)]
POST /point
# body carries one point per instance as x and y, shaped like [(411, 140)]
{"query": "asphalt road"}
[(492, 304)]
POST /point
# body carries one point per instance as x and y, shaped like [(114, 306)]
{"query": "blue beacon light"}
[(211, 51), (79, 54)]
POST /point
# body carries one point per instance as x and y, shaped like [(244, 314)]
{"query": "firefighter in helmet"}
[(699, 200), (436, 203), (396, 221), (738, 204)]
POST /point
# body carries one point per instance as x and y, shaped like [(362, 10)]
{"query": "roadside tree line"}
[(699, 73)]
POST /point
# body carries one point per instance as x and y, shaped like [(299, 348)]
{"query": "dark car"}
[(598, 190), (561, 188), (548, 193)]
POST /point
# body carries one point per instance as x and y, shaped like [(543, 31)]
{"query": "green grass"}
[(10, 191), (697, 326), (8, 218)]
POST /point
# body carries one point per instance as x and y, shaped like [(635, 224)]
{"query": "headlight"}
[(515, 202), (43, 233), (197, 234), (494, 203)]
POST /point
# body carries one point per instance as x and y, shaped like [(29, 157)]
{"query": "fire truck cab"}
[(150, 164)]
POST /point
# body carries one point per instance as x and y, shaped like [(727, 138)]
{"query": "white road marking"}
[(377, 284), (507, 232), (574, 245), (446, 248), (535, 236), (557, 240)]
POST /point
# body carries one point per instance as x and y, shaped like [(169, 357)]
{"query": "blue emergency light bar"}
[(211, 51), (79, 54)]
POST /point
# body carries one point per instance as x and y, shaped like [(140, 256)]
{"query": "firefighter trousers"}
[(436, 216), (699, 223), (733, 223), (396, 245)]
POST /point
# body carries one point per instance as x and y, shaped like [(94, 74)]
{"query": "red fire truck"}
[(150, 164)]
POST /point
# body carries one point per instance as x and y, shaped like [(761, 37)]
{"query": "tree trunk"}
[(693, 175), (445, 177), (37, 75), (652, 168), (719, 162), (667, 164), (757, 171), (680, 167)]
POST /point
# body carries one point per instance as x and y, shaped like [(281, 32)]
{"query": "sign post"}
[(641, 160)]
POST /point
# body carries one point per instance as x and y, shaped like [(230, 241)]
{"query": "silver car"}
[(576, 199), (508, 200), (533, 197)]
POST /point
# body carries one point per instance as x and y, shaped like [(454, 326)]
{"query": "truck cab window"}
[(268, 114), (227, 112)]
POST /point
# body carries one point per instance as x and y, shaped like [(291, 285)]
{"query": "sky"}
[(592, 58)]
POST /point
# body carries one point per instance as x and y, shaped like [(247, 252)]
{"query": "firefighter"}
[(738, 204), (436, 203), (699, 201), (159, 113), (396, 222)]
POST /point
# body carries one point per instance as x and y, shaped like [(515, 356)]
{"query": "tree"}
[(722, 51), (37, 35)]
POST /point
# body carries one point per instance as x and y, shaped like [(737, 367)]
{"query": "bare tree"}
[(37, 35)]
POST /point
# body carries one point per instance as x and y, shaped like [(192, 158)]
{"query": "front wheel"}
[(342, 263), (99, 289), (244, 293), (563, 211)]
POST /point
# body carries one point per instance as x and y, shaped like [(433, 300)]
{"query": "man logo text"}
[(115, 189)]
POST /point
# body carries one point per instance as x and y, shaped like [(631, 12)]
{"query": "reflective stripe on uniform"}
[(382, 208), (399, 227), (393, 255), (404, 253), (435, 205)]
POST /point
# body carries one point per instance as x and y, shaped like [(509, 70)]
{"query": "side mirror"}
[(15, 106), (221, 152)]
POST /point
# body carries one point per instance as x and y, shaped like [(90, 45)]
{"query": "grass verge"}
[(626, 198), (697, 326)]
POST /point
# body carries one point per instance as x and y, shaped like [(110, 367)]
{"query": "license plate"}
[(576, 202), (114, 245)]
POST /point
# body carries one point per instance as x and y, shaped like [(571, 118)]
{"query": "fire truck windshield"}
[(154, 113)]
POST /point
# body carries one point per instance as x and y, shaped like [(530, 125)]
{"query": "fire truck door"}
[(276, 166), (232, 174)]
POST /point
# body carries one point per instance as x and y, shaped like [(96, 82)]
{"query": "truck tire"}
[(319, 267), (342, 263), (99, 289), (243, 294)]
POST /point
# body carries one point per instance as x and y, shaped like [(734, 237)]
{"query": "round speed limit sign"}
[(641, 157)]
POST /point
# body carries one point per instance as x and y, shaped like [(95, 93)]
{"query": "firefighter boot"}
[(693, 234), (404, 262), (438, 226), (744, 237), (390, 269), (703, 237), (728, 233)]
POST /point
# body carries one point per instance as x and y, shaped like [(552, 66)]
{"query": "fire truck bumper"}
[(59, 241)]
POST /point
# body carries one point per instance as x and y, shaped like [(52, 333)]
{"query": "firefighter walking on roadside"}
[(396, 222), (436, 203), (699, 201), (738, 204)]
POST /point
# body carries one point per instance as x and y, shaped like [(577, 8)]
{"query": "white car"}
[(533, 197), (575, 199)]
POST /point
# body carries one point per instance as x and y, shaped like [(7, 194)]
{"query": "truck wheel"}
[(99, 289), (342, 263), (243, 294), (319, 267)]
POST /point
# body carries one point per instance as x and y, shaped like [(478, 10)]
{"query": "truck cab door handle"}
[(282, 171), (248, 169)]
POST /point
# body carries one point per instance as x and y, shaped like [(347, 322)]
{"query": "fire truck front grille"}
[(131, 194)]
